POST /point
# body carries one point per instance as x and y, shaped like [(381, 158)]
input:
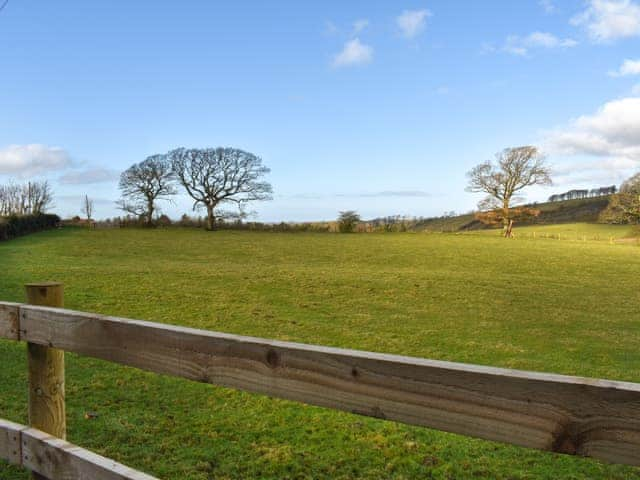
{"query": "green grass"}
[(570, 231), (586, 210), (566, 307)]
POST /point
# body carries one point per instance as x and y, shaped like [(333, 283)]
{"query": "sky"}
[(375, 106)]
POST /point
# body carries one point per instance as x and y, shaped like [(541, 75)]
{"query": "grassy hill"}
[(565, 307), (569, 211)]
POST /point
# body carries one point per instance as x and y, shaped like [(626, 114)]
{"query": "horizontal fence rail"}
[(57, 459), (572, 415)]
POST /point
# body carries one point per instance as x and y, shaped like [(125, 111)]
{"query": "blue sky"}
[(376, 106)]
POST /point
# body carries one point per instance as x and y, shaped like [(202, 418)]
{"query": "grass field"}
[(579, 232), (565, 307)]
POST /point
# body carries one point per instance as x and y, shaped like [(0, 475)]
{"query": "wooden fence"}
[(563, 414)]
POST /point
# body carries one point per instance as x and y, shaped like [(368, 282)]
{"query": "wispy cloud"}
[(382, 194), (353, 53), (517, 45), (608, 20), (603, 171), (78, 199), (628, 67), (31, 160), (389, 193), (89, 176), (412, 22), (359, 26), (331, 28), (548, 6)]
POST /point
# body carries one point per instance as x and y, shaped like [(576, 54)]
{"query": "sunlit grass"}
[(566, 307), (580, 232)]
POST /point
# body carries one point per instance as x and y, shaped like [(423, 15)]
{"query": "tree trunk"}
[(509, 233), (211, 219), (149, 214), (505, 218)]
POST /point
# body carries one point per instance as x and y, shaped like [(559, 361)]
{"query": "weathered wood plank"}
[(57, 459), (10, 450), (9, 327), (47, 410), (573, 415)]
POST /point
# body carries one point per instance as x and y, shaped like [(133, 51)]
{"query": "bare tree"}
[(514, 169), (31, 198), (87, 207), (10, 202), (217, 176), (39, 197), (143, 184)]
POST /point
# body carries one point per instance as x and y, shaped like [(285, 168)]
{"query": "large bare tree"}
[(513, 170), (143, 184), (215, 176)]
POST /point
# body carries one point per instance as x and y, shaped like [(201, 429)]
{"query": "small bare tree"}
[(143, 184), (87, 208), (215, 176), (10, 202), (39, 197), (514, 169)]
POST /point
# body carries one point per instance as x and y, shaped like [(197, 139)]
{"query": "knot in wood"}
[(273, 358)]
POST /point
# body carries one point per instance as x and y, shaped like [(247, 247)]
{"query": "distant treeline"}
[(579, 194), (16, 226), (396, 223)]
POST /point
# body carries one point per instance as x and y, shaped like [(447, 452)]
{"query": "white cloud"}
[(354, 53), (612, 134), (548, 6), (90, 175), (517, 45), (412, 22), (31, 160), (360, 25), (628, 67), (606, 20)]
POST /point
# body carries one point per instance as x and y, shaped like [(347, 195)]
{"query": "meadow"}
[(579, 232), (568, 307)]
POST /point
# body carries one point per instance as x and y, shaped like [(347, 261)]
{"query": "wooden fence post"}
[(46, 371)]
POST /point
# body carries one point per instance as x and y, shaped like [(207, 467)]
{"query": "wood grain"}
[(47, 409), (9, 327), (46, 369), (572, 415), (10, 449), (57, 459)]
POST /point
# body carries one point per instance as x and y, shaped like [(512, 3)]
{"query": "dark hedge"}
[(15, 226)]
